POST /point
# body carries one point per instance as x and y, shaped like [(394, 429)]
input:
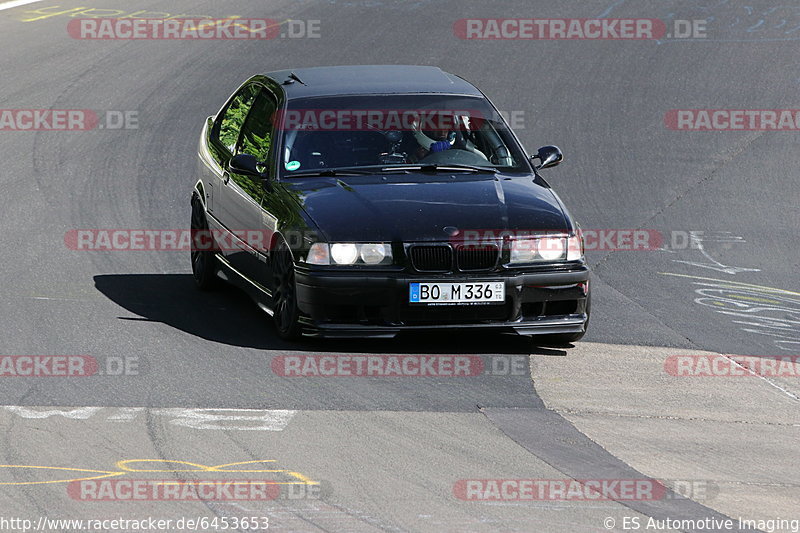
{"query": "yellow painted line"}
[(45, 15), (752, 299), (101, 13), (125, 469), (105, 473), (304, 479), (762, 287), (123, 465)]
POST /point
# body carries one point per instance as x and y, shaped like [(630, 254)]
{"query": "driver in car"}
[(444, 137), (437, 140)]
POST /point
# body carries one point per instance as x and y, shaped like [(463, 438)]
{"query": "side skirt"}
[(259, 294)]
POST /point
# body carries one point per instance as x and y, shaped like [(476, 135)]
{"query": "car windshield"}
[(395, 132)]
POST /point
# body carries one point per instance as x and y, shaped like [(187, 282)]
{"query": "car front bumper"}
[(370, 304)]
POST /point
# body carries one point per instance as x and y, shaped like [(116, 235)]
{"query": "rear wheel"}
[(286, 314), (204, 262)]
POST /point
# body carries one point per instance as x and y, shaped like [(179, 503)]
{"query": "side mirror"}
[(548, 156), (244, 164)]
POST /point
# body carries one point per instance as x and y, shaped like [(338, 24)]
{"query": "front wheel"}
[(204, 262), (286, 314)]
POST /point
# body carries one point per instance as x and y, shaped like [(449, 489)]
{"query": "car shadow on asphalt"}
[(228, 316)]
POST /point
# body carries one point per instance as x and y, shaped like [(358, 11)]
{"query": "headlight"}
[(538, 249), (341, 253), (319, 254), (344, 254), (551, 248), (373, 254), (575, 248), (523, 251)]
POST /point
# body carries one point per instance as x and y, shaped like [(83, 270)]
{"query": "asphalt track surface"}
[(387, 454)]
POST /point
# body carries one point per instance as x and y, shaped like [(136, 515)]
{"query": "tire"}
[(204, 261), (286, 314), (562, 339)]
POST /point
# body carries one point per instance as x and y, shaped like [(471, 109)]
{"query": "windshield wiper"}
[(377, 169), (330, 172), (452, 167)]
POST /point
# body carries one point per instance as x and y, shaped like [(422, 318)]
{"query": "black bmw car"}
[(363, 201)]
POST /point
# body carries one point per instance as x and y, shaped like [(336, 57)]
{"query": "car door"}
[(220, 143), (242, 195)]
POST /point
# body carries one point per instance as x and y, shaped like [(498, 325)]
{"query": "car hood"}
[(405, 208)]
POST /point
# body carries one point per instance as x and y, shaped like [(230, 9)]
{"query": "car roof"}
[(370, 79)]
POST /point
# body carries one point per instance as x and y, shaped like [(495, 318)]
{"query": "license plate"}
[(457, 293)]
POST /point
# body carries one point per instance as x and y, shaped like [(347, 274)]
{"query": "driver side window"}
[(234, 116), (256, 137)]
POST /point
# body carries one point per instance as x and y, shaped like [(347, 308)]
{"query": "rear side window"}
[(257, 135), (234, 116)]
